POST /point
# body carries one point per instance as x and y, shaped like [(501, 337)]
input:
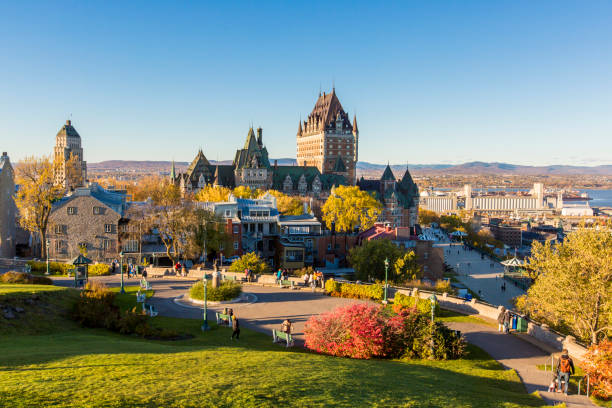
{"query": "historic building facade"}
[(251, 167), (400, 199), (327, 140), (68, 145), (7, 208)]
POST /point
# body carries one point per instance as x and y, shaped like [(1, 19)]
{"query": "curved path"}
[(273, 305)]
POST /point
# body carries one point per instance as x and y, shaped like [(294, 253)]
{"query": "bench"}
[(279, 336), (145, 285), (150, 310), (233, 278), (140, 297), (223, 319), (287, 283)]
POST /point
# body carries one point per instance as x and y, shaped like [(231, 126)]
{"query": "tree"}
[(287, 205), (406, 267), (213, 194), (349, 207), (597, 363), (573, 284), (74, 172), (246, 192), (250, 261), (36, 194), (208, 234), (368, 260), (426, 217)]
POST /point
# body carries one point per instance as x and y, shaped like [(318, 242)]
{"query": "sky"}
[(430, 82)]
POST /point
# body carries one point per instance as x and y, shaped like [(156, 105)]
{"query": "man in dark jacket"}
[(565, 367), (235, 328)]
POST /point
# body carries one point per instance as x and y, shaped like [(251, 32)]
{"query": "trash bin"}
[(521, 325), (514, 322)]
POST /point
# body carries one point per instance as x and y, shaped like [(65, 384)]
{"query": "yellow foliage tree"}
[(287, 205), (349, 207), (213, 194), (246, 192), (36, 194)]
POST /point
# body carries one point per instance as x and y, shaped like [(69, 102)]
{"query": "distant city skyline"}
[(435, 83)]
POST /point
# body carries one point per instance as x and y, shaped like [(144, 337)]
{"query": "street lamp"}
[(47, 247), (386, 271), (122, 288), (433, 299), (205, 322)]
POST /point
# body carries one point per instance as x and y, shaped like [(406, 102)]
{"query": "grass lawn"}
[(87, 367), (452, 316)]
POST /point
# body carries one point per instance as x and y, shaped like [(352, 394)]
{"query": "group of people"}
[(313, 279), (248, 275), (503, 320), (132, 270), (281, 275)]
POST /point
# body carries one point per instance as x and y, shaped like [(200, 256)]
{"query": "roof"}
[(339, 165), (253, 155), (68, 130), (303, 219), (327, 111), (80, 260), (387, 174), (197, 164), (112, 199)]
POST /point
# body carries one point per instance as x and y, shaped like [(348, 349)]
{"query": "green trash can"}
[(521, 324)]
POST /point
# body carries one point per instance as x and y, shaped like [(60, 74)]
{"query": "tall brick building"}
[(328, 140), (67, 145)]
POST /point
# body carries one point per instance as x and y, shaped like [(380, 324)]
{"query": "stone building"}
[(87, 217), (7, 208), (400, 199), (68, 145), (251, 167), (327, 140)]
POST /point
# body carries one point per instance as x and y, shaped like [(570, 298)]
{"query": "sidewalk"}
[(515, 353)]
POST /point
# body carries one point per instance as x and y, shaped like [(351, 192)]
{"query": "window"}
[(228, 213), (236, 245), (298, 230), (108, 228), (131, 245), (426, 255), (59, 229), (58, 245), (98, 210), (236, 229), (72, 210), (294, 256)]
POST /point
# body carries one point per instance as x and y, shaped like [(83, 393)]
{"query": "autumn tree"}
[(426, 217), (406, 267), (573, 284), (36, 194), (250, 261), (349, 207), (246, 192), (207, 234), (287, 205), (368, 260), (73, 172), (213, 194)]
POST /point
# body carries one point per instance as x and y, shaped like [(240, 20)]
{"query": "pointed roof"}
[(173, 172), (199, 161), (339, 166), (299, 133), (68, 130), (387, 174), (355, 130), (326, 111), (216, 177), (251, 141), (408, 185)]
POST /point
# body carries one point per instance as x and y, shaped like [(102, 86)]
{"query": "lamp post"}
[(122, 288), (47, 248), (386, 275), (433, 299), (205, 322)]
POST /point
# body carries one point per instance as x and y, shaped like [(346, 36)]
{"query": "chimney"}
[(305, 207), (68, 122)]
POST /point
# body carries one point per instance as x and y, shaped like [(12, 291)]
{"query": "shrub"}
[(422, 305), (353, 290), (55, 268), (250, 261), (597, 364), (99, 270), (366, 331), (24, 278), (227, 290), (302, 271)]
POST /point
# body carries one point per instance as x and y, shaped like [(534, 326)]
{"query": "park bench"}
[(233, 278), (223, 319), (145, 285), (279, 336), (287, 283), (150, 310)]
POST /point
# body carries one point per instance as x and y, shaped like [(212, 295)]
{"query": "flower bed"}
[(227, 290)]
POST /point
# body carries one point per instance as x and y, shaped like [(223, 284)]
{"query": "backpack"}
[(564, 364)]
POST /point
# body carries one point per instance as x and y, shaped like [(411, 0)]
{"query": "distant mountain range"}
[(471, 168)]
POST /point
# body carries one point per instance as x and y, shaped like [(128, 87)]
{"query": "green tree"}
[(368, 260), (208, 234), (250, 261), (426, 217), (349, 207), (406, 268), (573, 284)]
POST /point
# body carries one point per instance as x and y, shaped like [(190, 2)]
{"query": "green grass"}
[(94, 367), (452, 316)]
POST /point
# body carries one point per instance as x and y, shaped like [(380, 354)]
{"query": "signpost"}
[(205, 322)]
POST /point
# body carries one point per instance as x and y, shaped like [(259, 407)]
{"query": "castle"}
[(69, 173)]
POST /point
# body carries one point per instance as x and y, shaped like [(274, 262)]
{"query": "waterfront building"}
[(327, 140), (8, 229), (67, 146)]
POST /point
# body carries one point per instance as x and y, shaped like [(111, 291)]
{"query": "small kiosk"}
[(80, 270)]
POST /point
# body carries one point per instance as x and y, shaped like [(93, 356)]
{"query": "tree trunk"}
[(43, 244)]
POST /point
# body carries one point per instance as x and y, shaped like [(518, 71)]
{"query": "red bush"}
[(598, 365)]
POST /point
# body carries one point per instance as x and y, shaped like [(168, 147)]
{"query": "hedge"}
[(227, 290), (422, 305), (24, 278), (55, 268), (353, 290), (99, 269)]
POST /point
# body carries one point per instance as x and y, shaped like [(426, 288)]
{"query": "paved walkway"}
[(273, 305)]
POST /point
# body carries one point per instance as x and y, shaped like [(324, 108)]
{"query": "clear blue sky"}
[(431, 82)]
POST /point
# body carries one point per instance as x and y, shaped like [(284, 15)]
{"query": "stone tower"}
[(68, 145), (328, 140)]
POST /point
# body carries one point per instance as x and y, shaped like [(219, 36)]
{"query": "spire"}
[(217, 182), (355, 130), (173, 172), (339, 166), (387, 174), (299, 133)]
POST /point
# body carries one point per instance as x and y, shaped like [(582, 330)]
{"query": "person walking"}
[(500, 319), (507, 322), (565, 368), (235, 328), (279, 275)]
